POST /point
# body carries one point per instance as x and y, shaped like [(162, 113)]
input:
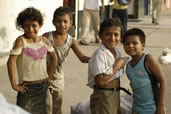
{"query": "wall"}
[(9, 10)]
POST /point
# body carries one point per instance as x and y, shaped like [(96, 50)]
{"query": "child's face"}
[(31, 28), (111, 37), (133, 45), (62, 23)]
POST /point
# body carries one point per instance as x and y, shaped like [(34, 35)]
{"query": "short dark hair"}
[(136, 32), (110, 23), (30, 13), (62, 11)]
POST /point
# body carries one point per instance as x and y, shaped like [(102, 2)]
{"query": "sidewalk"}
[(158, 38)]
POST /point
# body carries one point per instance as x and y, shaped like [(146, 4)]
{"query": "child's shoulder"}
[(19, 41), (99, 52), (46, 34), (20, 38), (45, 39)]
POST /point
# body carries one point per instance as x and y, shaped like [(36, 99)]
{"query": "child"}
[(105, 67), (62, 42), (138, 71), (29, 55)]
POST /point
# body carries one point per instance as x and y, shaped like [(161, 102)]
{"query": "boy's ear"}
[(120, 38), (71, 23), (100, 36), (41, 26), (143, 45)]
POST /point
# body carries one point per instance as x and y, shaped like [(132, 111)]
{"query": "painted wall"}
[(9, 10)]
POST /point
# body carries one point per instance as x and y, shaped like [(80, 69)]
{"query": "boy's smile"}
[(133, 45), (111, 37), (62, 23)]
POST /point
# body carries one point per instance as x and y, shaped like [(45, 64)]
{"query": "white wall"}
[(9, 10)]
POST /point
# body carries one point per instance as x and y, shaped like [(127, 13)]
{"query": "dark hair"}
[(110, 23), (136, 32), (31, 14), (62, 11)]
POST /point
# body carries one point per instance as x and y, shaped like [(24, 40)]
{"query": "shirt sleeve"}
[(16, 51), (99, 65)]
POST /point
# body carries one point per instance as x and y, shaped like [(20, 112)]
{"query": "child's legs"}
[(49, 101), (154, 9), (86, 25), (34, 99), (96, 22), (158, 13), (54, 101), (104, 102), (57, 101)]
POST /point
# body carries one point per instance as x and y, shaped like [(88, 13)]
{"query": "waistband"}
[(113, 89), (108, 89), (36, 83)]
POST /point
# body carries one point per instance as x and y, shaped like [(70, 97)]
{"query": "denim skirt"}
[(35, 98)]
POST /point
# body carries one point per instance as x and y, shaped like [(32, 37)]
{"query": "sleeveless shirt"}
[(61, 52), (31, 62), (143, 98)]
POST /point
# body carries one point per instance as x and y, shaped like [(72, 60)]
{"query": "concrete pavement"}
[(158, 38)]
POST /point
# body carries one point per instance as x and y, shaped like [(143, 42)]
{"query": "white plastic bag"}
[(7, 108), (84, 107), (166, 57), (81, 108), (126, 104)]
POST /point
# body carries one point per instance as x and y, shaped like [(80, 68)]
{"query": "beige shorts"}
[(104, 102)]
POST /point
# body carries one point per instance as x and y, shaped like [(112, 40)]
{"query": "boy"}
[(104, 65), (139, 70), (62, 43)]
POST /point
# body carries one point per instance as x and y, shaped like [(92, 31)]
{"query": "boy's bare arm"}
[(154, 67), (75, 47)]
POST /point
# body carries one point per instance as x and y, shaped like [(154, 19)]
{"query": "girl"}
[(29, 55)]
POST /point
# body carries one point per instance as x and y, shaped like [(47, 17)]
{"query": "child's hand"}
[(52, 77), (21, 88), (121, 62), (126, 59), (161, 110)]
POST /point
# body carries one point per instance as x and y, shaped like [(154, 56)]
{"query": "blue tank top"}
[(143, 98)]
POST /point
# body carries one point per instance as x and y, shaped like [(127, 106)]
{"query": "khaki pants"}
[(104, 102), (54, 101), (89, 15), (156, 9)]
